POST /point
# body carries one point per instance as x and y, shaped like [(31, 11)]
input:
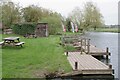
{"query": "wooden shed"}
[(41, 30)]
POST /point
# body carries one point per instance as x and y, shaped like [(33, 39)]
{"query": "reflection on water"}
[(103, 40)]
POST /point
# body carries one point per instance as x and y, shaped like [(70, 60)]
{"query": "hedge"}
[(24, 28)]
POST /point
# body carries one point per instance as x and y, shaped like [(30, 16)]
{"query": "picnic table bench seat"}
[(2, 43), (20, 44)]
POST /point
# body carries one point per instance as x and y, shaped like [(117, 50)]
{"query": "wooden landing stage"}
[(93, 50), (88, 48), (86, 64)]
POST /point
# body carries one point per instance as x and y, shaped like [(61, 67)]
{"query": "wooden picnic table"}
[(15, 41), (11, 39)]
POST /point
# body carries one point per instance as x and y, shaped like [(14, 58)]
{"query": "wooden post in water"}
[(88, 46), (76, 65), (110, 66), (107, 53)]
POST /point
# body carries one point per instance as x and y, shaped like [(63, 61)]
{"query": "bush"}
[(69, 48), (54, 24), (24, 28)]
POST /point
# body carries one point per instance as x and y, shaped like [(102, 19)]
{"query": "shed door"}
[(41, 30)]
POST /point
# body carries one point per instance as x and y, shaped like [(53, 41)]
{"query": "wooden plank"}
[(109, 71), (11, 38), (73, 73), (88, 64), (96, 51), (1, 43), (93, 49), (19, 43)]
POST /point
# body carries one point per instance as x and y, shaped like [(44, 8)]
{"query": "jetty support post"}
[(81, 46), (107, 53), (76, 65), (66, 53), (88, 46), (110, 66), (85, 43)]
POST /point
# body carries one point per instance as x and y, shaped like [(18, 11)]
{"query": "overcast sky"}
[(108, 8)]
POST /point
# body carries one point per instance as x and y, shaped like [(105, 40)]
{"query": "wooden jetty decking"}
[(93, 50), (88, 48), (86, 64)]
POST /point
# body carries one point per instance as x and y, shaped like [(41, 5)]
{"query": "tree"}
[(76, 16), (68, 24), (0, 12), (54, 23), (10, 13), (32, 13), (92, 16)]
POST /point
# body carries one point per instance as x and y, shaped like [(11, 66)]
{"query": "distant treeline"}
[(89, 17)]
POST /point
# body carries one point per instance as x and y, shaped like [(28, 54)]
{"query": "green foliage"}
[(10, 13), (68, 24), (24, 28), (54, 24), (76, 16), (68, 40), (32, 13), (92, 16), (0, 12), (89, 17), (69, 48)]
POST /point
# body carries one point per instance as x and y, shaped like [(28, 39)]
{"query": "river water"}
[(103, 40)]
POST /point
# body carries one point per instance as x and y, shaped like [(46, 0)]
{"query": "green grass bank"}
[(38, 56)]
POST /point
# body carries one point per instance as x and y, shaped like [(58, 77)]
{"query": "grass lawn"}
[(0, 64), (35, 58)]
